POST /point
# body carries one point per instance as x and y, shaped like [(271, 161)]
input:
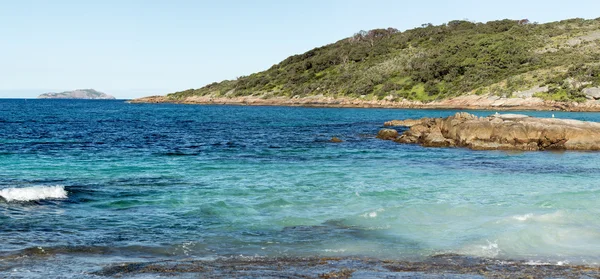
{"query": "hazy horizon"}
[(139, 48)]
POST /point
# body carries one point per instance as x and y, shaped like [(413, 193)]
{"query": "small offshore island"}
[(498, 65), (87, 94)]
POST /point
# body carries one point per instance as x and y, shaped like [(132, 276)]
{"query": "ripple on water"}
[(219, 180)]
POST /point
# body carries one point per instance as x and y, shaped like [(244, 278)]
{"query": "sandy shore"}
[(472, 102)]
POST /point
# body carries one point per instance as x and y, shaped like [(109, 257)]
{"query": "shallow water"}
[(157, 182)]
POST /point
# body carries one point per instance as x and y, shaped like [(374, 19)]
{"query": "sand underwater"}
[(95, 189)]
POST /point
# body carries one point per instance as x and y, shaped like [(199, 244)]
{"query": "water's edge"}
[(468, 102), (446, 266)]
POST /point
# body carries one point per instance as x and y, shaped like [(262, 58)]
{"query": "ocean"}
[(90, 184)]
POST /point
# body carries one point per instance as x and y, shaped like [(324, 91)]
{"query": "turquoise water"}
[(88, 183)]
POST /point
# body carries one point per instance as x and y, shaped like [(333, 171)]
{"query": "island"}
[(497, 132), (498, 65), (88, 94)]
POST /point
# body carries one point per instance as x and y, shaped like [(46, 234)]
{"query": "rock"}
[(436, 139), (592, 93), (336, 140), (501, 132), (464, 115), (509, 116), (405, 123), (591, 36), (387, 134), (471, 101), (530, 92)]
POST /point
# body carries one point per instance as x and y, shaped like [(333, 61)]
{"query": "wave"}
[(555, 217), (34, 193), (489, 250)]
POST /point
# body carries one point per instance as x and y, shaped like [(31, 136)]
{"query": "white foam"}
[(522, 217), (489, 250), (373, 214), (34, 193), (555, 217), (538, 263)]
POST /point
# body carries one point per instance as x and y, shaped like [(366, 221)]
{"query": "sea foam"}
[(33, 193), (555, 217)]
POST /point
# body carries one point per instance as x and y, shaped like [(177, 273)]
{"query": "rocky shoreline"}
[(497, 132), (442, 266), (467, 102)]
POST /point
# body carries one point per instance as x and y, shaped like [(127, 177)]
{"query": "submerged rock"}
[(438, 266), (336, 140), (501, 132)]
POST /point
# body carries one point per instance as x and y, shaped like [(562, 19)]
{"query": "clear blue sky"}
[(133, 48)]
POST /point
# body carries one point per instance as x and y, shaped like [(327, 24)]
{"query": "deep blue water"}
[(109, 182)]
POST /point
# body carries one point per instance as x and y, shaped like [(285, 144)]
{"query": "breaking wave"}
[(33, 193)]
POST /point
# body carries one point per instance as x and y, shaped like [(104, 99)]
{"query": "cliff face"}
[(90, 94), (499, 132)]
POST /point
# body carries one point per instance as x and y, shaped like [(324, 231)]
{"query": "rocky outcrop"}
[(151, 100), (387, 134), (502, 132), (89, 94), (406, 122), (530, 92), (592, 93)]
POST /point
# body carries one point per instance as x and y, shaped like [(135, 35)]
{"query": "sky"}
[(135, 48)]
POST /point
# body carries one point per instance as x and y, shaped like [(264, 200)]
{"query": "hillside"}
[(507, 59), (77, 94)]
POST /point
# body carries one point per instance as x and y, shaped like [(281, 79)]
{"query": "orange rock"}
[(387, 134), (502, 132), (336, 140)]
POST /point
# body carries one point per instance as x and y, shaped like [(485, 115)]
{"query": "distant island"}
[(89, 94), (499, 65)]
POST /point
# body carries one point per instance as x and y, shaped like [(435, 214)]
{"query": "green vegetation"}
[(435, 62)]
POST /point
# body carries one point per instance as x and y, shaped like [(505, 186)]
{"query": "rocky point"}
[(497, 132)]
